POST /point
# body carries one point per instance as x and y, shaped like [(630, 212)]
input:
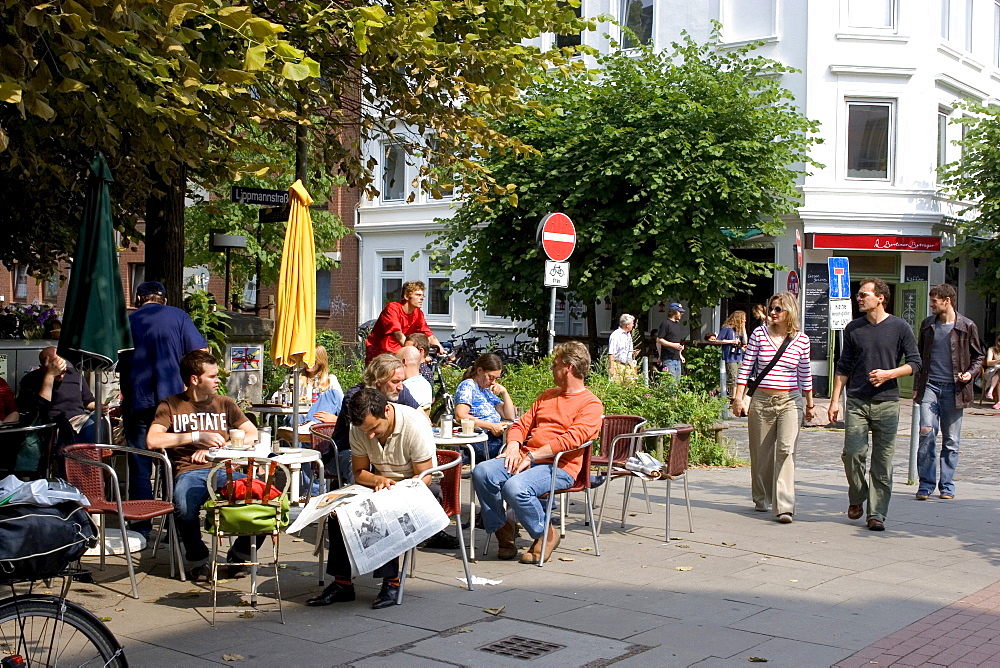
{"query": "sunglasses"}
[(862, 295), (775, 309)]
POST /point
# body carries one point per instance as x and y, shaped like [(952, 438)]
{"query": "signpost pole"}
[(552, 321)]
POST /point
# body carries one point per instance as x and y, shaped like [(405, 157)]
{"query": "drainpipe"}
[(361, 245)]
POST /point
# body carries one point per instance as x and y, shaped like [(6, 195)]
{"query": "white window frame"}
[(621, 20), (580, 13), (384, 147), (942, 139), (890, 141), (19, 280), (996, 34), (892, 28), (383, 275), (435, 275), (946, 20)]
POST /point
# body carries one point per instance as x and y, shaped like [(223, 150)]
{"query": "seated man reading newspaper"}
[(389, 443), (562, 418)]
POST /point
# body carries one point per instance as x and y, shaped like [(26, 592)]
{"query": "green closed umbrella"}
[(95, 323)]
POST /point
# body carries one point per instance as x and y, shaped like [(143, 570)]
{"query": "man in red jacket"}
[(397, 321)]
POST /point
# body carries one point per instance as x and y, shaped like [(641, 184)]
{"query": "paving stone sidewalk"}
[(813, 593)]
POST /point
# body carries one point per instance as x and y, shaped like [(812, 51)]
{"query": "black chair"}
[(14, 442)]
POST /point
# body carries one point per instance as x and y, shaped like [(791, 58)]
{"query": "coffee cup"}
[(236, 437), (468, 427)]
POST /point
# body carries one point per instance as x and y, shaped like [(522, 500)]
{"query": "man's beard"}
[(392, 395)]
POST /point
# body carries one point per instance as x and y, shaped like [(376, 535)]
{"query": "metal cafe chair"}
[(581, 484), (676, 466), (450, 466), (86, 470)]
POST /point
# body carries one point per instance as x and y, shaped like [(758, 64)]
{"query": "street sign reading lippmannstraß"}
[(259, 196)]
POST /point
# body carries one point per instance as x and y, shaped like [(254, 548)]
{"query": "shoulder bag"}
[(757, 378)]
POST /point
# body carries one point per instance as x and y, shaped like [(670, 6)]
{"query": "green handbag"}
[(246, 519)]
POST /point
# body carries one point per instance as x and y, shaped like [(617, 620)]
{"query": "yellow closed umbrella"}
[(294, 341)]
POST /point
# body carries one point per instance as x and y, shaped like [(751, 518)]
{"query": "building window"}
[(945, 19), (637, 15), (442, 183), (322, 291), (968, 25), (391, 279), (50, 289), (20, 282), (250, 293), (996, 34), (137, 276), (393, 173), (942, 139), (438, 286), (744, 20), (871, 14), (869, 126), (576, 38)]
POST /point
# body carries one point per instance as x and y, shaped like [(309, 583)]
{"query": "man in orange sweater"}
[(562, 418)]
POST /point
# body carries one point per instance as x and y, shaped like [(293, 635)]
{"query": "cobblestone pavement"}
[(820, 447)]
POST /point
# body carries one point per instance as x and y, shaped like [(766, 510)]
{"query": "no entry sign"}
[(557, 236)]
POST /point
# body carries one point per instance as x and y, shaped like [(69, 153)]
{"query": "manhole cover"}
[(521, 648)]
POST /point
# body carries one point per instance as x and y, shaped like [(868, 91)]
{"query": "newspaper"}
[(378, 526)]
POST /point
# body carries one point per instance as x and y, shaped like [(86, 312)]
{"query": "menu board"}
[(816, 320)]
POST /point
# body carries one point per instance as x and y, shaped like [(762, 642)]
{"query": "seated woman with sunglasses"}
[(776, 409), (479, 396)]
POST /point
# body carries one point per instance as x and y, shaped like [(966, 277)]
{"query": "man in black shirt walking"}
[(874, 344), (669, 338)]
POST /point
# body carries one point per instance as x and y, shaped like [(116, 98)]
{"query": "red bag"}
[(238, 490)]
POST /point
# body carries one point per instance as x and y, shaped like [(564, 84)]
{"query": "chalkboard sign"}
[(915, 273), (815, 323)]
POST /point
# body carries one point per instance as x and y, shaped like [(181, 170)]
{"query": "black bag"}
[(38, 542)]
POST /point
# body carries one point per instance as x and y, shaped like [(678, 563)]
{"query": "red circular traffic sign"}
[(557, 235)]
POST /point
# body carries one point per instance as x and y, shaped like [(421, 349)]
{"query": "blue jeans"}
[(140, 468), (494, 485), (190, 493), (673, 367), (938, 413)]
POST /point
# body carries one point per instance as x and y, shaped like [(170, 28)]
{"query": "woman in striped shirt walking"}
[(776, 407)]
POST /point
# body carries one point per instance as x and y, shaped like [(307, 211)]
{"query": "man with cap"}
[(150, 373), (670, 337)]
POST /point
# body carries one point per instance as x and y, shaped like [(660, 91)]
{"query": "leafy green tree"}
[(660, 159), (179, 92), (975, 181)]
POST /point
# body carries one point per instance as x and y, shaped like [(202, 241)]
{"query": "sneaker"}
[(785, 518), (945, 496), (442, 541), (922, 496), (201, 573)]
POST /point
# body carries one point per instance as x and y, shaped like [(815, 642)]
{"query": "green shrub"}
[(701, 370)]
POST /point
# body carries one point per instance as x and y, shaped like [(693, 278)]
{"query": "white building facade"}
[(881, 76)]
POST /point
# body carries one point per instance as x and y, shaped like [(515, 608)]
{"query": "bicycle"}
[(45, 630)]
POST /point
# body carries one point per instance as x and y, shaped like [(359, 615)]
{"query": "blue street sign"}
[(840, 278)]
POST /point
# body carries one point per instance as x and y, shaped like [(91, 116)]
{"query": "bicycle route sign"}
[(557, 235), (556, 274)]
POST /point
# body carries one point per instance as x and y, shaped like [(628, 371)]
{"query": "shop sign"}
[(875, 242)]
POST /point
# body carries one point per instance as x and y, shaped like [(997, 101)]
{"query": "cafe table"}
[(272, 413), (293, 458), (453, 442)]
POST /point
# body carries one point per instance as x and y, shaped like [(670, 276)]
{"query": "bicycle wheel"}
[(50, 631)]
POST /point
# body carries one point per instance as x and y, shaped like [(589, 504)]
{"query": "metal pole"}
[(911, 477), (295, 407), (552, 321), (645, 370), (225, 298)]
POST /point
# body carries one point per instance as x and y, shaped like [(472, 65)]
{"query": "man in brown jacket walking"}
[(951, 356)]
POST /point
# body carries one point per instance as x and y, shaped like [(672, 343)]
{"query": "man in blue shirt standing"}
[(150, 373)]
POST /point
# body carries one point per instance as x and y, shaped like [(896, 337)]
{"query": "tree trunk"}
[(165, 233)]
